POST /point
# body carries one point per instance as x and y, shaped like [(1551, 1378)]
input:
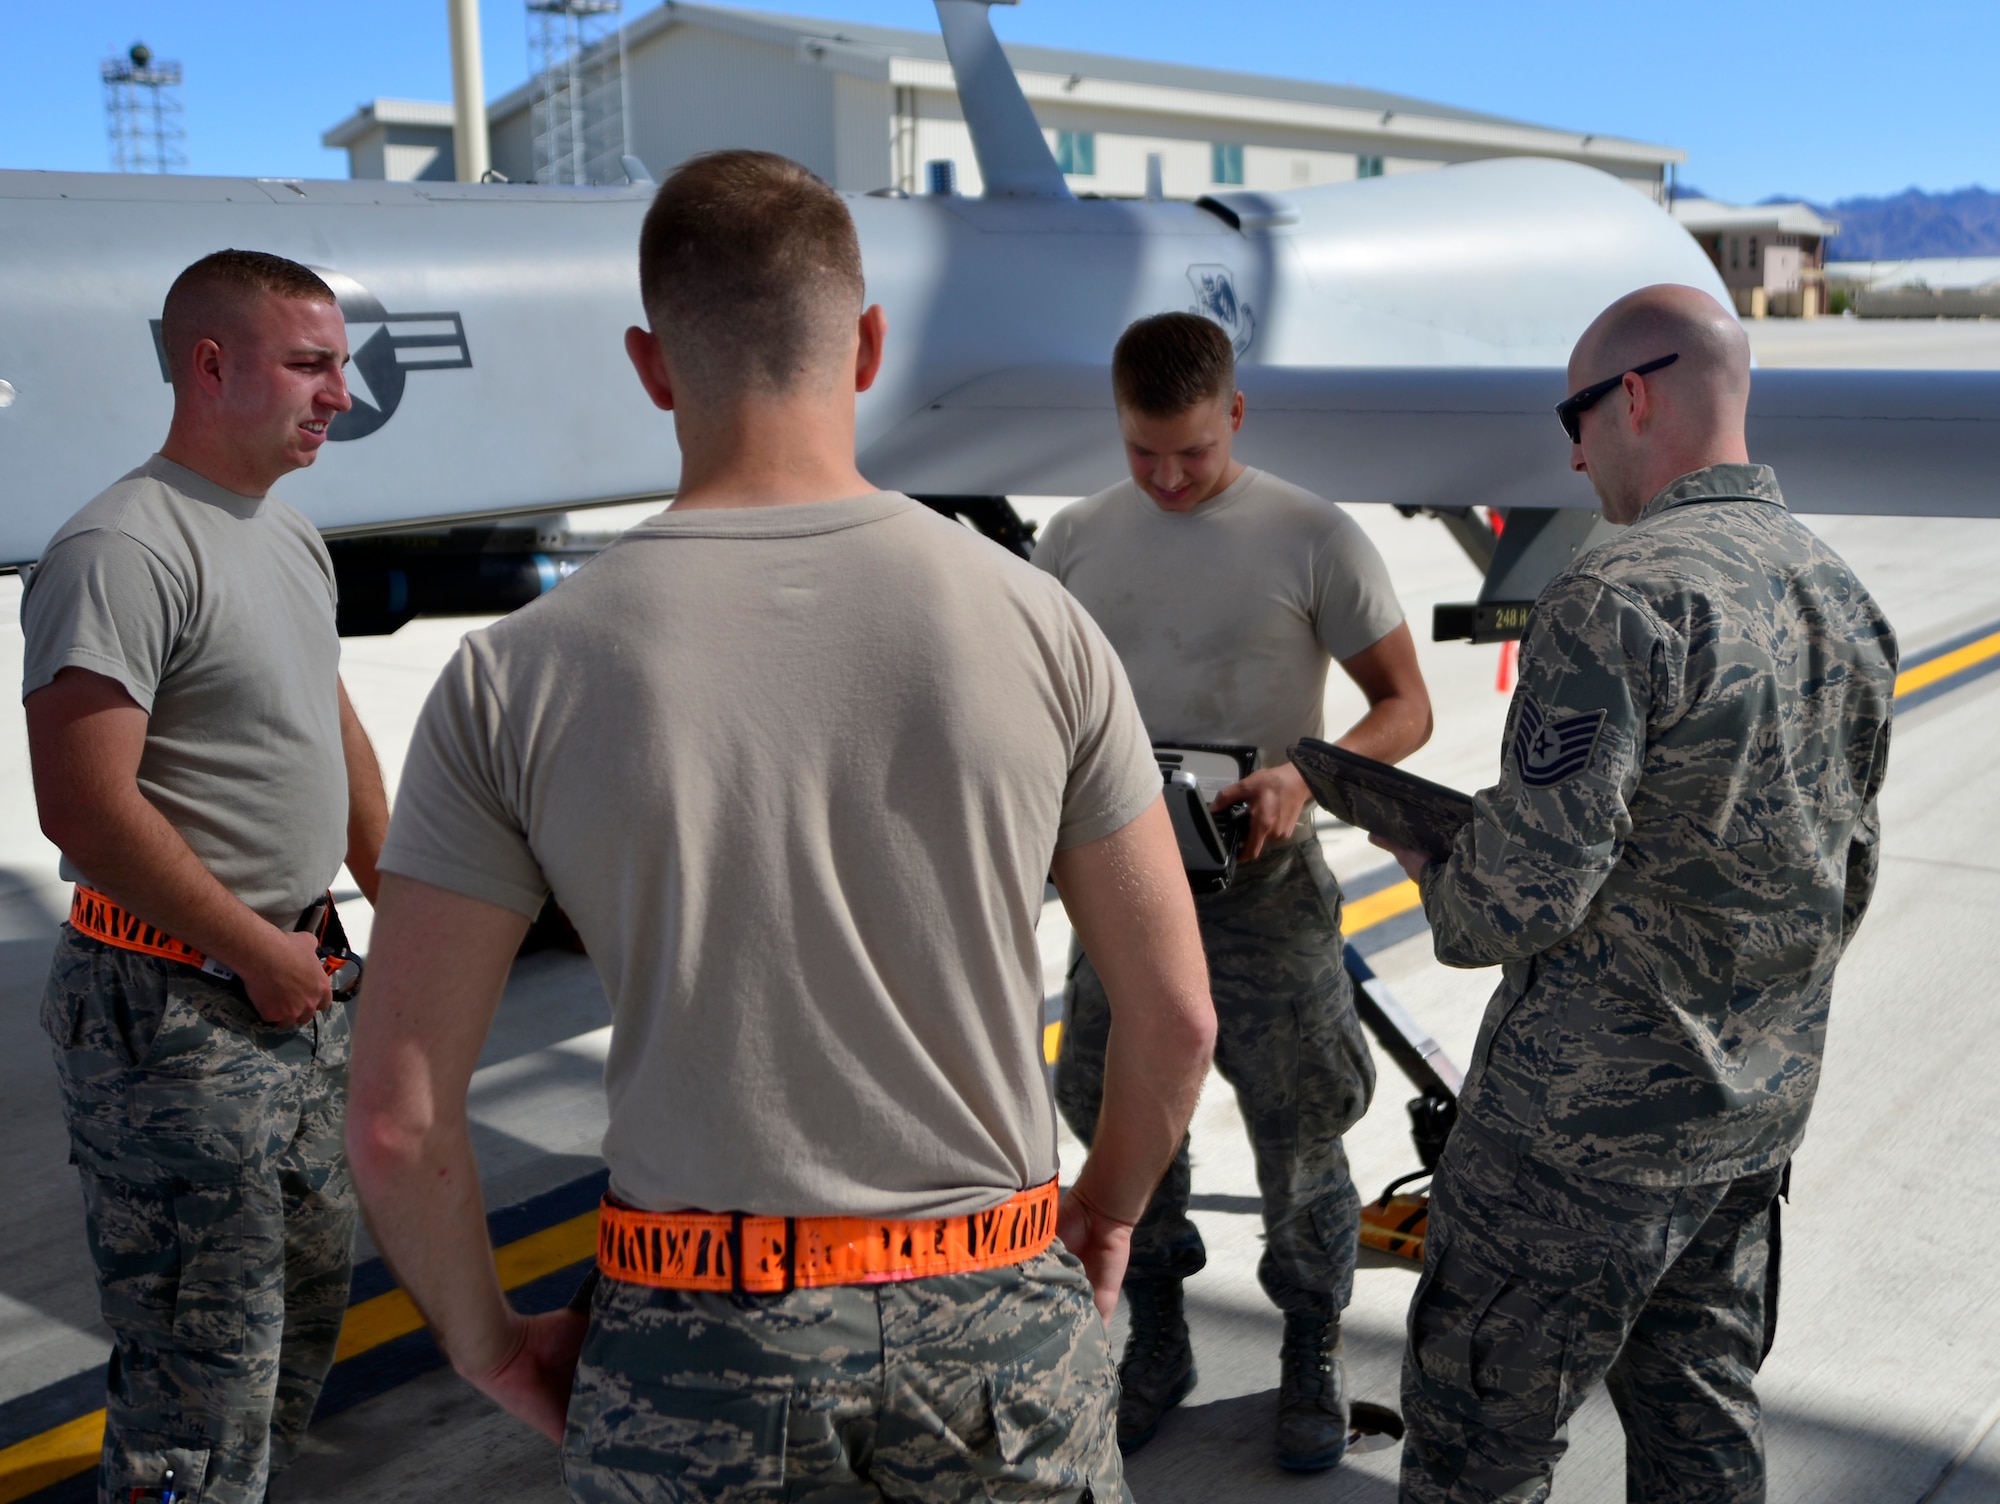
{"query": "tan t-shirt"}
[(1227, 616), (796, 774), (215, 612)]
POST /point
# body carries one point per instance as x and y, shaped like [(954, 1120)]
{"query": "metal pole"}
[(574, 34), (470, 147), (624, 96)]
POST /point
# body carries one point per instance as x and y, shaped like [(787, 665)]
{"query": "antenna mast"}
[(576, 57), (143, 112)]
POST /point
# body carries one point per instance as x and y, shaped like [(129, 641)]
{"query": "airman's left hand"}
[(1411, 860)]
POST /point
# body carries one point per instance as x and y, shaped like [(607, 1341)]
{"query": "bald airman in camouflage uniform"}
[(1682, 843)]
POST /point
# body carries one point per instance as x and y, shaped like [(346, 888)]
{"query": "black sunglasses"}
[(1570, 411)]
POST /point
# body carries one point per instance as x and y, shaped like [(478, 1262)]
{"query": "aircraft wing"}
[(1917, 443)]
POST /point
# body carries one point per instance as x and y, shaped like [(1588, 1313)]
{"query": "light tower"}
[(143, 112), (576, 59)]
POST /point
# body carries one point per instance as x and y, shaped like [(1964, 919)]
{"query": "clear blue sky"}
[(1823, 100)]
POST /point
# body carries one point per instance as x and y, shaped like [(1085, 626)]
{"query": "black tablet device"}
[(1382, 800)]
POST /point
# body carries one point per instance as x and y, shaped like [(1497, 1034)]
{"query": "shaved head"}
[(1637, 440), (750, 271), (1664, 320), (219, 296)]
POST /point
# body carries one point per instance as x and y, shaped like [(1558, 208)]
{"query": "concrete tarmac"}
[(1885, 1381)]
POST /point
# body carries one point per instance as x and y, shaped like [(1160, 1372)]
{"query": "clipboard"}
[(1382, 800)]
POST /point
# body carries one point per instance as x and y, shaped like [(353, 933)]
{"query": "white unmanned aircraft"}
[(1400, 340)]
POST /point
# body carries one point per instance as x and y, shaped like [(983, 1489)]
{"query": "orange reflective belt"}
[(733, 1252), (92, 914)]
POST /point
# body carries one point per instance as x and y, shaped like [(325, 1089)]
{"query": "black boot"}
[(1158, 1369), (1312, 1395)]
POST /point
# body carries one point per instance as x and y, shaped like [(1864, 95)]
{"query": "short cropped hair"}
[(207, 297), (1171, 362), (750, 271)]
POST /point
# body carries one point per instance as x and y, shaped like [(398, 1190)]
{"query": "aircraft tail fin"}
[(1014, 157)]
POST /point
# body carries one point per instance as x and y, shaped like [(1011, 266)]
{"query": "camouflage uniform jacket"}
[(1682, 842)]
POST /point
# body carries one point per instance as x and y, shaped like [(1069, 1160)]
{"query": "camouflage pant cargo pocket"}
[(673, 1442), (212, 1297), (144, 1473), (1494, 1340)]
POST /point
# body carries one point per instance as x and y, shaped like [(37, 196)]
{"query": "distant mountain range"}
[(1965, 222)]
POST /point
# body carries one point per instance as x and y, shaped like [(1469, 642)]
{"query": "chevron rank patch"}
[(1549, 751)]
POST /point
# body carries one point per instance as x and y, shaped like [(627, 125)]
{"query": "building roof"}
[(1706, 215), (890, 52), (376, 112)]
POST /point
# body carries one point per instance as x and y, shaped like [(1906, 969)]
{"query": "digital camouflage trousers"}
[(1539, 1283), (994, 1385), (1289, 1042), (219, 1211)]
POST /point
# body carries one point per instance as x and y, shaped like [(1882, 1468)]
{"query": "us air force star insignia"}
[(1549, 751)]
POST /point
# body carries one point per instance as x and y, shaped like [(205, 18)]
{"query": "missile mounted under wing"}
[(1400, 339)]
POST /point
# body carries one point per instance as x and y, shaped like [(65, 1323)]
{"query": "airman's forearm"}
[(1128, 897), (437, 965), (367, 801), (1393, 728)]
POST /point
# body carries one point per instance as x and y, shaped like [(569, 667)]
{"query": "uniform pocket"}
[(333, 1038), (191, 1129), (210, 1310), (1496, 1341), (103, 1005), (1028, 1433), (142, 1473), (712, 1441)]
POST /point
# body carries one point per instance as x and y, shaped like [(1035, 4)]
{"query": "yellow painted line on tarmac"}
[(1926, 674), (528, 1259), (394, 1314), (374, 1322), (1357, 915), (29, 1466), (1365, 913)]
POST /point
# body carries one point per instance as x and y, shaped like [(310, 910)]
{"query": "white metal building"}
[(404, 140), (869, 107), (1920, 288), (1772, 256)]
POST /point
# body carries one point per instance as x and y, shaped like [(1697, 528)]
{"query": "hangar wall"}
[(869, 107)]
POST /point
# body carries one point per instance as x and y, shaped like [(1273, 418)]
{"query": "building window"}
[(1753, 253), (1076, 153), (1368, 167), (1225, 163)]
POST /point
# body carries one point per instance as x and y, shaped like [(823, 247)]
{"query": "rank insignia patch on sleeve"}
[(1549, 751)]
